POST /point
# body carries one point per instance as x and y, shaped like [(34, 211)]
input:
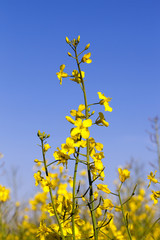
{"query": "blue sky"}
[(124, 38)]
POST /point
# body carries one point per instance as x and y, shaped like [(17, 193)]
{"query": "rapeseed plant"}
[(69, 207)]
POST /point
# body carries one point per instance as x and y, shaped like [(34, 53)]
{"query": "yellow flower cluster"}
[(4, 194)]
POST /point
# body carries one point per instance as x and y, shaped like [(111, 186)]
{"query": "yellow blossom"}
[(155, 195), (46, 147), (93, 146), (107, 204), (123, 174), (105, 101), (152, 178), (61, 74), (38, 178), (86, 58), (103, 188), (69, 146), (43, 231), (78, 114), (76, 77), (81, 128), (61, 156), (4, 194)]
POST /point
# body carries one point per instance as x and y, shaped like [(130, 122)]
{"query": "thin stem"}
[(124, 217), (50, 191), (74, 194), (93, 104), (88, 160)]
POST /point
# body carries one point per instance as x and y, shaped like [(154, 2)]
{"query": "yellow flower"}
[(107, 204), (76, 76), (86, 58), (43, 231), (103, 188), (123, 174), (46, 147), (81, 143), (4, 194), (100, 121), (93, 146), (152, 178), (38, 178), (155, 195), (78, 114), (68, 147), (105, 101), (61, 156), (81, 128), (61, 74)]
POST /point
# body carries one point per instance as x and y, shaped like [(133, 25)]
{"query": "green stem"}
[(74, 195), (88, 160), (124, 217), (50, 192)]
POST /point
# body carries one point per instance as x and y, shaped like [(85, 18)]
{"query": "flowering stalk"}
[(88, 161), (50, 190)]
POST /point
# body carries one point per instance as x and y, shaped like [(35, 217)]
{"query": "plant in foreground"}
[(77, 214)]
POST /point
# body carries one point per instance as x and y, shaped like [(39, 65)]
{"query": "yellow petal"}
[(88, 61), (85, 133), (101, 96), (81, 107), (107, 107), (78, 122), (87, 123), (103, 188), (99, 146), (75, 131)]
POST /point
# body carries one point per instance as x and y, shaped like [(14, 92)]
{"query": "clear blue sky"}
[(124, 37)]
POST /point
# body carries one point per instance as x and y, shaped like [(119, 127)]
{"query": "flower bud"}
[(87, 46), (69, 54), (78, 39), (67, 40)]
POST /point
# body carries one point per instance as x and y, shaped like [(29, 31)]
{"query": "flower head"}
[(46, 147), (86, 58), (155, 195), (4, 194), (103, 188), (105, 101), (123, 174), (152, 178), (61, 74), (76, 76), (81, 128)]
